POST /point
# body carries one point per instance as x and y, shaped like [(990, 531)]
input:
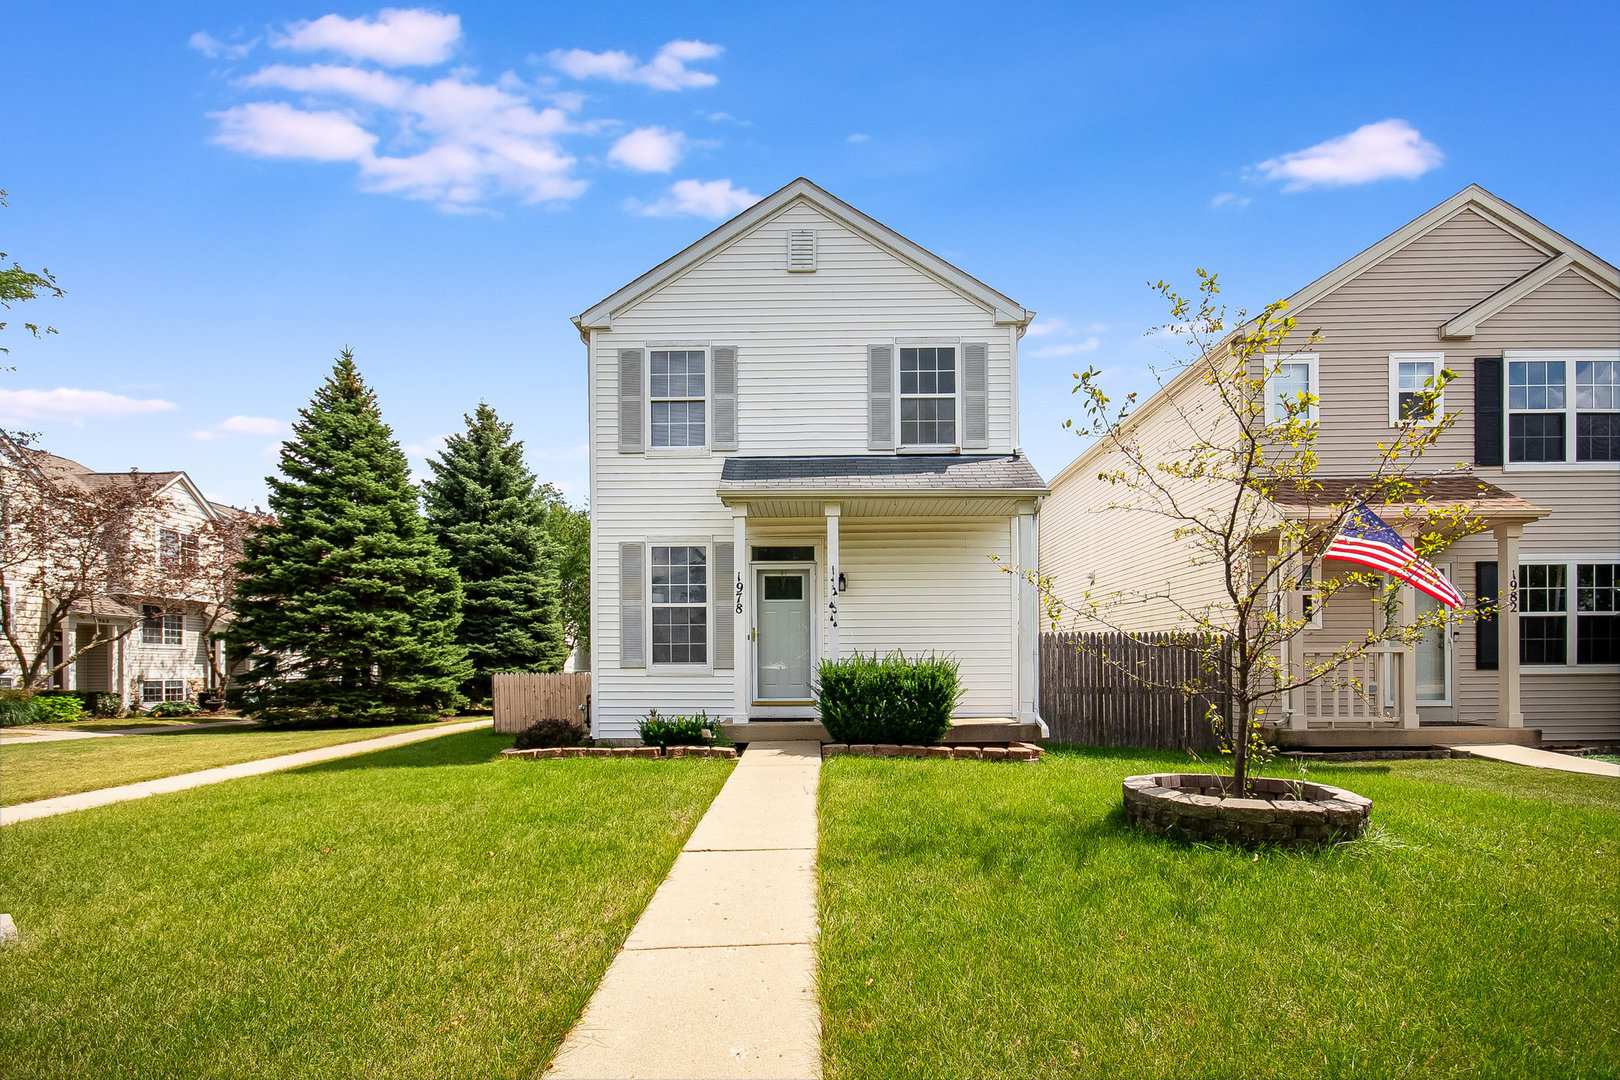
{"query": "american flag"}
[(1368, 540)]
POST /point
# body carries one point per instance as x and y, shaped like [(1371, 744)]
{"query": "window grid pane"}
[(1535, 384), (1597, 384), (678, 398), (1536, 436), (1597, 639), (1597, 436), (927, 396), (151, 693), (1543, 588), (680, 614), (1542, 639), (174, 690), (1290, 381)]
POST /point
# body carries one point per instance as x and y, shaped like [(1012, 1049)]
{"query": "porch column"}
[(832, 511), (1294, 668), (1029, 621), (742, 671), (1508, 712), (1409, 713)]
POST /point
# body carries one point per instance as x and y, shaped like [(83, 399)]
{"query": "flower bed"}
[(1294, 813), (1013, 752)]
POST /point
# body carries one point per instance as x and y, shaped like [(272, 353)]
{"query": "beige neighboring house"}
[(153, 649), (1530, 323)]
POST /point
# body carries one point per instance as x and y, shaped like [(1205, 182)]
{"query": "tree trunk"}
[(1240, 747)]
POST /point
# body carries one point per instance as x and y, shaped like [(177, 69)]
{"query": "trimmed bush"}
[(98, 703), (865, 699), (173, 708), (545, 733), (57, 709), (17, 708), (674, 730)]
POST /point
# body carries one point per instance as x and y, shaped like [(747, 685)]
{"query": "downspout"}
[(1035, 544)]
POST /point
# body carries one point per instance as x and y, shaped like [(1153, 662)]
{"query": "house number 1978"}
[(739, 593)]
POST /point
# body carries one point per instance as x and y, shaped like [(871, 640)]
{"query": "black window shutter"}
[(1485, 633), (1488, 412)]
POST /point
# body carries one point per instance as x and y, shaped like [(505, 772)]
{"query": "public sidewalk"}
[(63, 804), (1540, 759), (24, 735), (718, 978)]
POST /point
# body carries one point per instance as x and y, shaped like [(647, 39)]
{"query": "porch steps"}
[(975, 731), (1391, 738)]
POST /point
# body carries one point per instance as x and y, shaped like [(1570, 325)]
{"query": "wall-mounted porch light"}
[(843, 582)]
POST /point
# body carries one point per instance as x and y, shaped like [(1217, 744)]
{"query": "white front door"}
[(783, 653), (1433, 656)]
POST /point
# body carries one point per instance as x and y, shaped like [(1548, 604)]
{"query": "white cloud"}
[(699, 198), (1229, 198), (1071, 348), (272, 129), (430, 447), (648, 149), (665, 71), (1046, 325), (65, 404), (460, 141), (395, 38), (242, 425), (215, 49), (724, 118), (1389, 148), (858, 137)]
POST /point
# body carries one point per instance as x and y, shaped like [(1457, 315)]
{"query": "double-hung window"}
[(680, 605), (160, 629), (1562, 407), (1554, 631), (154, 691), (1288, 380), (678, 398), (176, 549), (1411, 376), (928, 395)]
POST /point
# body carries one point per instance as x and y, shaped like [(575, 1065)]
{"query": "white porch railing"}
[(1353, 695)]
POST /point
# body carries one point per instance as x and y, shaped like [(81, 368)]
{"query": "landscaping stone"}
[(729, 753), (968, 753), (677, 751), (1193, 806), (913, 751), (939, 751), (861, 749), (885, 750), (645, 752), (834, 749), (599, 751), (995, 753)]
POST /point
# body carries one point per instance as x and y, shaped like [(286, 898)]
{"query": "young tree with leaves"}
[(487, 514), (571, 533), (346, 608), (1223, 476)]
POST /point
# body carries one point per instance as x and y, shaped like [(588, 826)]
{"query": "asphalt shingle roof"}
[(1438, 491), (901, 472)]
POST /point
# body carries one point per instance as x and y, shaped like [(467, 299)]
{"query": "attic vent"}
[(801, 251)]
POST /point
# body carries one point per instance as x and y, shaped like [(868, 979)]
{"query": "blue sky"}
[(229, 195)]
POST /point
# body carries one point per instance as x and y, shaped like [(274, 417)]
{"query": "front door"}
[(782, 656), (1433, 657)]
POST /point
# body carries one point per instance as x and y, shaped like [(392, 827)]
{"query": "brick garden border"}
[(1012, 752), (551, 752), (1195, 806)]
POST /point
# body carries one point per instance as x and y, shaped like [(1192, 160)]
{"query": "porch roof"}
[(1440, 492), (998, 474)]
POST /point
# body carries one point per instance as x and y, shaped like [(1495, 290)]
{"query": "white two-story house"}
[(803, 444)]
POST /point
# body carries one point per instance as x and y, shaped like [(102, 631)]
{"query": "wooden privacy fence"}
[(522, 697), (1089, 698)]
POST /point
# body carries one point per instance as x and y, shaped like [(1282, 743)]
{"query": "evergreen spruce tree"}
[(484, 508), (346, 607)]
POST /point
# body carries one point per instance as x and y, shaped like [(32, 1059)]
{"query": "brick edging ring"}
[(1290, 813)]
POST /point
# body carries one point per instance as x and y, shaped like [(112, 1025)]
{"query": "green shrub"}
[(543, 733), (98, 703), (865, 699), (17, 708), (674, 730), (57, 709), (173, 708)]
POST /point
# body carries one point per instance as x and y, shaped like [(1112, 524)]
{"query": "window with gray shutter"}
[(724, 390), (975, 396), (722, 601), (880, 397), (631, 407), (632, 606)]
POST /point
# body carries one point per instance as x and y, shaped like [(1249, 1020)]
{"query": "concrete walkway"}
[(1540, 759), (718, 978), (64, 804), (18, 736)]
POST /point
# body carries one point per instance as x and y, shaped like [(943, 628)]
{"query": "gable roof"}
[(61, 468), (1563, 254), (1008, 312)]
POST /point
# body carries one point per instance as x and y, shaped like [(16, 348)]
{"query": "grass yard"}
[(423, 911), (41, 770), (993, 920)]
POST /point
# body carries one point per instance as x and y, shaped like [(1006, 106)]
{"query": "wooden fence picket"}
[(1114, 689)]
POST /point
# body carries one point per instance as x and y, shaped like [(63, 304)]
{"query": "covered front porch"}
[(834, 556), (1460, 684)]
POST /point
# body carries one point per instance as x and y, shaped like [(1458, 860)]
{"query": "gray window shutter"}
[(975, 397), (632, 606), (880, 397), (724, 389), (721, 605), (632, 405)]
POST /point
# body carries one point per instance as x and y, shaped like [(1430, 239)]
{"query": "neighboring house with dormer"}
[(1529, 322), (804, 444), (142, 619)]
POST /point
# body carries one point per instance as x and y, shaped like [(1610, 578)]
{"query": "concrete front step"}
[(970, 731)]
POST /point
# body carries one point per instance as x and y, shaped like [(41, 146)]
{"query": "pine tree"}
[(346, 607), (488, 516)]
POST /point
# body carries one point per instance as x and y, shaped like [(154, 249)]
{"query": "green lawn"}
[(40, 770), (424, 911), (995, 920)]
